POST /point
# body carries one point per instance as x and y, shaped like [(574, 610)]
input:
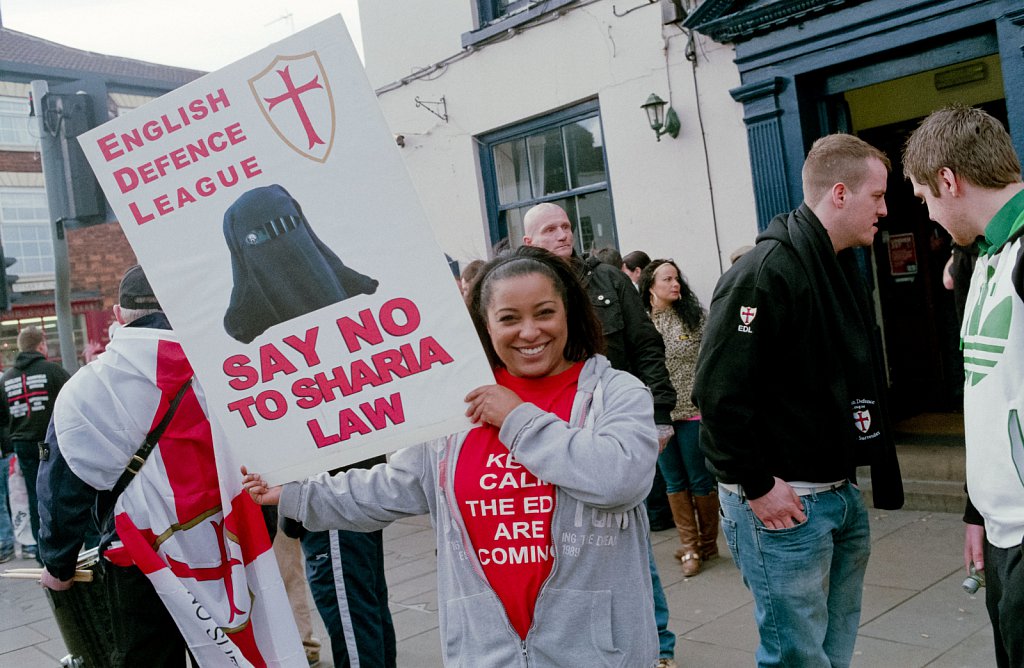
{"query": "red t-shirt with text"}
[(507, 509)]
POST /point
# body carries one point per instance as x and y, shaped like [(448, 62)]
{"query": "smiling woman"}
[(526, 499), (526, 323), (528, 299)]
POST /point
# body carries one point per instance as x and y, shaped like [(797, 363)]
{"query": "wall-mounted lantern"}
[(660, 120)]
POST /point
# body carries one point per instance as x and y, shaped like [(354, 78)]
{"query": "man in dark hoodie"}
[(29, 389), (631, 344), (789, 389)]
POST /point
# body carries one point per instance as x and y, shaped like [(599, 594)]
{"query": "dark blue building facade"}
[(875, 68)]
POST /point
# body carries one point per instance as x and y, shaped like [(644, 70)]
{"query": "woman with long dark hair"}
[(541, 529), (678, 315)]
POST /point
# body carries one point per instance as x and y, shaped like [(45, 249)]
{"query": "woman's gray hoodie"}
[(595, 607)]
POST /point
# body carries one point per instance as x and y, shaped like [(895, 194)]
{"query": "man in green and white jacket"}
[(962, 163)]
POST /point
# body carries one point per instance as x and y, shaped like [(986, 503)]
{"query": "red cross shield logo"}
[(295, 97), (862, 420), (747, 314)]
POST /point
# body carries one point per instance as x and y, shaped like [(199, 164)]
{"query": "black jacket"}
[(631, 341), (788, 363), (29, 389)]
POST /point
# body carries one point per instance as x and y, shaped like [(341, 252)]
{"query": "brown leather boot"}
[(707, 518), (686, 524)]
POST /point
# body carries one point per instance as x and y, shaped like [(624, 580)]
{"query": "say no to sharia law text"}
[(397, 317)]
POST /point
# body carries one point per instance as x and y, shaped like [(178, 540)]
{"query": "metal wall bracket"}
[(439, 107)]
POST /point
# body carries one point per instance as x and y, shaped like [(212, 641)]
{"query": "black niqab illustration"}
[(281, 269)]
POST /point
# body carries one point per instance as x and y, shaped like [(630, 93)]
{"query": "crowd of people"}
[(755, 411)]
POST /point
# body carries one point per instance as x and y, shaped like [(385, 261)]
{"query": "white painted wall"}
[(664, 202), (409, 34)]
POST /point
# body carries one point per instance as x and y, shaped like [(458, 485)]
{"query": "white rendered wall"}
[(409, 34), (663, 200)]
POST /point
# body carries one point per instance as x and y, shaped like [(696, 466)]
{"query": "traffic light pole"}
[(57, 200)]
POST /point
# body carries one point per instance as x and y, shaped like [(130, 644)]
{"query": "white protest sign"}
[(269, 206)]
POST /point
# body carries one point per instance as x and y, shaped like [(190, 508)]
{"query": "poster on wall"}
[(272, 212), (902, 256)]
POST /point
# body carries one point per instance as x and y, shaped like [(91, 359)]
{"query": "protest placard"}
[(272, 212)]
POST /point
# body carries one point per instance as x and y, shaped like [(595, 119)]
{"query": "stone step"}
[(933, 476), (930, 426), (926, 495), (932, 462), (930, 447), (951, 438)]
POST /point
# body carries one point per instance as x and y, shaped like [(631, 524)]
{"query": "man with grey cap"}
[(102, 416)]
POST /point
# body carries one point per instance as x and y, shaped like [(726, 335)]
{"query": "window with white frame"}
[(557, 158), (25, 230), (125, 102), (15, 123)]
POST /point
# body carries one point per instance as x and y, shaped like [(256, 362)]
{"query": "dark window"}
[(492, 10), (498, 16), (557, 158)]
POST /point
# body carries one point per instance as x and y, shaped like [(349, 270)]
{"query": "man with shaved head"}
[(631, 341)]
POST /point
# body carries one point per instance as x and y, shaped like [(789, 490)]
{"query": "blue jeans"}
[(806, 580), (682, 462), (666, 639), (6, 526)]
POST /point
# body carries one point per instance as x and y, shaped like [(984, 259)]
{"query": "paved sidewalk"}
[(915, 613)]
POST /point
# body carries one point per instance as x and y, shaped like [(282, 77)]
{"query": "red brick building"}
[(97, 254)]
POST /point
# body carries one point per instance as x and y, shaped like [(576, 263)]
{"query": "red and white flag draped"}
[(184, 521)]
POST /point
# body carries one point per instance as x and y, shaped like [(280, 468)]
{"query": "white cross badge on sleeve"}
[(747, 315), (862, 420)]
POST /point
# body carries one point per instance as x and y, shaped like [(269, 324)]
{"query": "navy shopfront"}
[(875, 68)]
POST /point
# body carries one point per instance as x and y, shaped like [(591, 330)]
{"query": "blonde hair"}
[(838, 158), (30, 338)]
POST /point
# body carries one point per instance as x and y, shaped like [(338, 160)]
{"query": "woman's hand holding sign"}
[(258, 490), (491, 404)]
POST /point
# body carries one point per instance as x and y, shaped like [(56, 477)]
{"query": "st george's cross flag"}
[(184, 520)]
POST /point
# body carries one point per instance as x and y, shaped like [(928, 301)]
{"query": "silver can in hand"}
[(973, 582)]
